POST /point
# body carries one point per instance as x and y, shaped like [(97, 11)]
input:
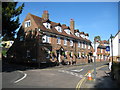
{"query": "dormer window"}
[(58, 28), (47, 25), (67, 31), (77, 34), (27, 23)]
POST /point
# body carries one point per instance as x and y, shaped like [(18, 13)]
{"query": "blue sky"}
[(95, 18)]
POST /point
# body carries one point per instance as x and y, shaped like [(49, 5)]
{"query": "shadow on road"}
[(106, 82), (10, 67)]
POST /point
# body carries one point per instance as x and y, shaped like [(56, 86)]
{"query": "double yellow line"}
[(82, 80)]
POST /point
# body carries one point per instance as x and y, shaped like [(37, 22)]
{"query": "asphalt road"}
[(56, 77)]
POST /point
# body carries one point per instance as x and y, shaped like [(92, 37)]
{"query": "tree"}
[(97, 38), (10, 19)]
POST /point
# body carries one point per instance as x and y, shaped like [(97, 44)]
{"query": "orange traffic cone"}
[(89, 75)]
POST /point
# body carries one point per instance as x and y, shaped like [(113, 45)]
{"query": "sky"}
[(94, 18)]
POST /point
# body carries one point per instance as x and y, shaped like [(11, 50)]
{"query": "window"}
[(21, 38), (77, 34), (65, 41), (88, 46), (65, 55), (58, 40), (78, 44), (47, 25), (27, 23), (79, 55), (67, 31), (46, 39), (71, 42), (72, 54), (28, 53), (48, 54), (59, 29), (82, 45)]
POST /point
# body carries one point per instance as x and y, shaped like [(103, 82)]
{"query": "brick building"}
[(43, 40), (101, 53)]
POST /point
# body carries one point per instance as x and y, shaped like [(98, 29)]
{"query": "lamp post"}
[(94, 59), (111, 52), (111, 47)]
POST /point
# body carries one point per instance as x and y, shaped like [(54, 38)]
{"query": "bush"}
[(4, 52)]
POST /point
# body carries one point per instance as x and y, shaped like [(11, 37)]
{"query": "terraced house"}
[(101, 53), (43, 40)]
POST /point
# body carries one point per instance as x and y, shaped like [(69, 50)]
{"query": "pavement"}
[(103, 80)]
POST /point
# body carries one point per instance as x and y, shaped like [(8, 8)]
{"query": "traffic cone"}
[(89, 75)]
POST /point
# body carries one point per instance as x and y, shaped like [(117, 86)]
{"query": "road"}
[(55, 77)]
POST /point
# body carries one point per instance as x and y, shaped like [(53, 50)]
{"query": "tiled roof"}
[(102, 47), (81, 32), (104, 42), (39, 22)]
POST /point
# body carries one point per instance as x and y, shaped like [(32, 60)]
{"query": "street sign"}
[(107, 48)]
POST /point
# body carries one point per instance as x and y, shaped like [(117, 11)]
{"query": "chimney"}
[(45, 15), (72, 25)]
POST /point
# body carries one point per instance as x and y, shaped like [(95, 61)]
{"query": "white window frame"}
[(85, 45), (65, 41), (88, 46), (46, 39), (59, 29), (47, 25), (77, 34), (71, 42), (58, 40), (48, 53), (78, 44), (72, 54), (82, 45), (67, 31), (27, 23)]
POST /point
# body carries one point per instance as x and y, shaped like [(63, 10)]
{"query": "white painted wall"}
[(116, 45)]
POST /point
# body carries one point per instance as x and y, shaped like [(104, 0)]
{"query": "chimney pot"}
[(71, 19), (45, 15), (72, 25)]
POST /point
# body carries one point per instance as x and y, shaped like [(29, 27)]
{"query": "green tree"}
[(97, 38), (10, 19)]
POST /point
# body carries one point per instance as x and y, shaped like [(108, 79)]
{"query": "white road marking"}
[(71, 73), (25, 75), (77, 70)]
